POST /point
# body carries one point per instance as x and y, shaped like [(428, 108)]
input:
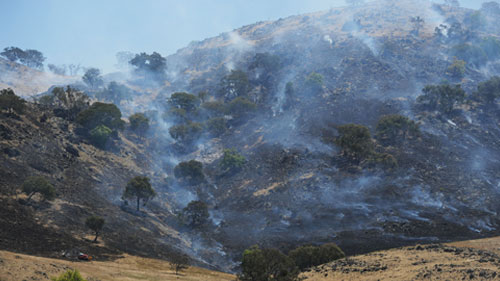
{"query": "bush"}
[(179, 262), (95, 223), (195, 214), (139, 122), (457, 69), (240, 107), (232, 160), (98, 113), (184, 101), (186, 132), (441, 97), (38, 184), (214, 108), (70, 275), (470, 53), (314, 81), (191, 171), (234, 85), (115, 93), (309, 256), (99, 136), (93, 78), (489, 90), (267, 264), (383, 160), (355, 140), (67, 103), (139, 188), (217, 126), (392, 128), (10, 102)]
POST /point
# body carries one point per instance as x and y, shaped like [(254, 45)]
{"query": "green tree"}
[(214, 108), (232, 160), (489, 90), (115, 93), (355, 140), (10, 102), (393, 128), (66, 103), (139, 188), (195, 213), (457, 69), (267, 265), (179, 262), (98, 113), (314, 81), (38, 184), (441, 97), (139, 122), (217, 126), (99, 136), (191, 171), (234, 85), (186, 132), (31, 58), (153, 65), (95, 223), (185, 101), (240, 108), (309, 256), (93, 78), (69, 275)]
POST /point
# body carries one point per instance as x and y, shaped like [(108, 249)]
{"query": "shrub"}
[(355, 140), (240, 107), (99, 136), (10, 102), (232, 160), (139, 188), (214, 108), (70, 275), (470, 53), (309, 256), (38, 184), (179, 262), (457, 69), (186, 132), (314, 81), (217, 126), (67, 103), (441, 97), (98, 113), (93, 78), (489, 90), (392, 128), (267, 264), (95, 223), (185, 101), (115, 93), (195, 214), (234, 85), (191, 171), (383, 160), (139, 122)]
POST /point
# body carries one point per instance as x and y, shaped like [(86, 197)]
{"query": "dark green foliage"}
[(355, 140), (66, 103), (457, 69), (139, 188), (195, 214), (70, 275), (470, 53), (95, 223), (99, 135), (232, 160), (309, 256), (38, 184), (153, 65), (214, 108), (234, 85), (184, 101), (394, 128), (115, 93), (240, 108), (489, 90), (382, 160), (314, 81), (98, 113), (139, 122), (179, 262), (92, 78), (190, 171), (216, 126), (186, 132), (31, 58), (266, 61), (441, 97), (10, 102), (267, 265)]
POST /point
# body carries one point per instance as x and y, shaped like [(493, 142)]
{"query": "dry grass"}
[(14, 267)]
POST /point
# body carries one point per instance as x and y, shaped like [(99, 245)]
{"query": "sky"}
[(91, 32)]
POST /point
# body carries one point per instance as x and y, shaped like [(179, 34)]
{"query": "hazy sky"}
[(91, 32)]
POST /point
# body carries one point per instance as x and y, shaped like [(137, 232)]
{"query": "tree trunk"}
[(29, 197), (96, 234), (138, 200)]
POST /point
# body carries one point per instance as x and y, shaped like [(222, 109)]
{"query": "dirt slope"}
[(467, 260), (23, 267)]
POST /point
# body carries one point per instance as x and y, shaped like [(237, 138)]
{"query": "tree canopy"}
[(95, 223), (139, 188), (38, 184), (28, 57), (99, 113)]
